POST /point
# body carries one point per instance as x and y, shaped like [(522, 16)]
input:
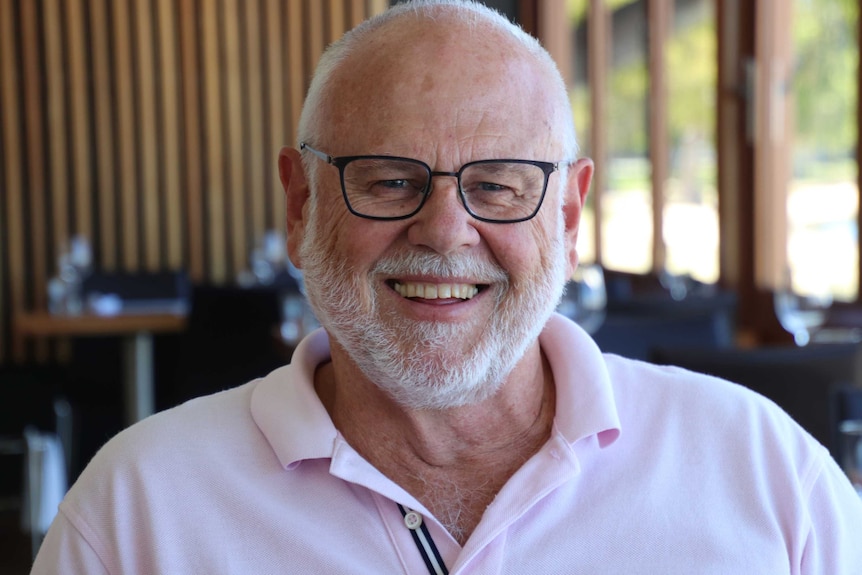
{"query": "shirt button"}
[(412, 520)]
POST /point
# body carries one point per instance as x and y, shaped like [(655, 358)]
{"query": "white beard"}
[(427, 364)]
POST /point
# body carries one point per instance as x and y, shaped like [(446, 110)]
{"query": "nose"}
[(443, 224)]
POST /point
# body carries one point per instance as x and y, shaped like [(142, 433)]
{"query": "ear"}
[(579, 177), (296, 192)]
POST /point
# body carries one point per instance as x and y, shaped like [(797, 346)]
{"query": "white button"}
[(412, 520)]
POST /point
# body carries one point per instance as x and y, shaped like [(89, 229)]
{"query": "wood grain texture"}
[(126, 135), (105, 144), (215, 233), (152, 127), (171, 130), (13, 180)]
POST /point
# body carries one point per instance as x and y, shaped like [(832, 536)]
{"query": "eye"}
[(489, 187), (394, 184)]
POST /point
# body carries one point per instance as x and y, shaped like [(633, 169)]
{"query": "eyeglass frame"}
[(341, 162)]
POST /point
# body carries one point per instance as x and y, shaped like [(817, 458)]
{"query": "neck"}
[(456, 460)]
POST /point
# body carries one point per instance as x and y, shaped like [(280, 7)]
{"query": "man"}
[(446, 419)]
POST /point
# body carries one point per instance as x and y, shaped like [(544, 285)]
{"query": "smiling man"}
[(444, 419)]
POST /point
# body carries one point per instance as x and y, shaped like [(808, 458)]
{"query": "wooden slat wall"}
[(599, 30), (152, 128), (659, 16)]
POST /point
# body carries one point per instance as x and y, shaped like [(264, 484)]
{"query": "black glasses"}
[(393, 188)]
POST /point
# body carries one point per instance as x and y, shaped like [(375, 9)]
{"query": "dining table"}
[(136, 328)]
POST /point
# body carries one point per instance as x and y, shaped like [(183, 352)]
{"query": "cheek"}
[(332, 221), (529, 251), (349, 241)]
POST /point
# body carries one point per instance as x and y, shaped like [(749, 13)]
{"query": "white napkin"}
[(48, 466)]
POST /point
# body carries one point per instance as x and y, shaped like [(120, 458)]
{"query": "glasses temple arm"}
[(325, 157)]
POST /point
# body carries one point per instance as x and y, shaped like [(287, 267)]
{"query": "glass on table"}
[(586, 297), (802, 306)]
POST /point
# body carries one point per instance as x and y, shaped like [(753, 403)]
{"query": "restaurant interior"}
[(142, 242)]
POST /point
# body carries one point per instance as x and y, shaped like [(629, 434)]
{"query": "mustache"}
[(439, 265)]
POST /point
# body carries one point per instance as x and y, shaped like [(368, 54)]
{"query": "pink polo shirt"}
[(648, 470)]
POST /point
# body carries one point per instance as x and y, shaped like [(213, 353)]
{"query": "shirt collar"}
[(290, 415), (585, 398), (286, 408)]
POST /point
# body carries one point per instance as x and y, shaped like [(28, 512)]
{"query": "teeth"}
[(436, 291)]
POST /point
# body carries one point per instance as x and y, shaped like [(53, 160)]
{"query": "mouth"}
[(429, 291)]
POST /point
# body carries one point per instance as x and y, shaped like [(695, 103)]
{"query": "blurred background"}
[(142, 253)]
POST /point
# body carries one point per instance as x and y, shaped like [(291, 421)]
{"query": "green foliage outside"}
[(692, 71), (823, 88)]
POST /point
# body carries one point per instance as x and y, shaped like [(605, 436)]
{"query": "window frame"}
[(754, 47)]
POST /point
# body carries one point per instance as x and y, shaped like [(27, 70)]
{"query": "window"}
[(823, 192), (643, 93)]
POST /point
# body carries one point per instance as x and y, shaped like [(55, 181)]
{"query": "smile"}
[(435, 291)]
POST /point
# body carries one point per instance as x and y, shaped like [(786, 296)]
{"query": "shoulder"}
[(689, 410), (691, 390), (695, 395), (160, 445)]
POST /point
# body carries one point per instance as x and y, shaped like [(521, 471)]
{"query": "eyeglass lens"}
[(495, 190)]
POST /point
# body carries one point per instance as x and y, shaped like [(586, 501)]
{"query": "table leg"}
[(138, 376)]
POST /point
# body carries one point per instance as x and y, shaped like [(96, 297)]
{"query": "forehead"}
[(422, 85)]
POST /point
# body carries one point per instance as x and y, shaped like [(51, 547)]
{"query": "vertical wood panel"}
[(58, 165), (170, 130), (315, 38), (377, 6), (192, 145), (357, 13), (238, 201), (148, 130), (277, 97), (105, 145), (150, 126), (771, 146), (729, 116), (556, 36), (859, 159), (258, 161), (335, 21), (13, 175), (598, 36), (125, 134), (215, 185), (39, 168), (80, 119), (658, 15), (295, 63)]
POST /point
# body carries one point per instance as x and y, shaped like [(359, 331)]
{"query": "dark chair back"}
[(231, 337), (220, 310), (635, 335), (650, 310), (806, 382)]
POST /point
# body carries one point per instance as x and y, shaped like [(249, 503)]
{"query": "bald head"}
[(426, 65)]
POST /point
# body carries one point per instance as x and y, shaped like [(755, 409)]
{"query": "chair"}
[(628, 291), (35, 439), (652, 310), (634, 326), (231, 338), (811, 383), (95, 371), (848, 405), (634, 336)]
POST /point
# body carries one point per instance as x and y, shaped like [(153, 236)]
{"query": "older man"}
[(445, 418)]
